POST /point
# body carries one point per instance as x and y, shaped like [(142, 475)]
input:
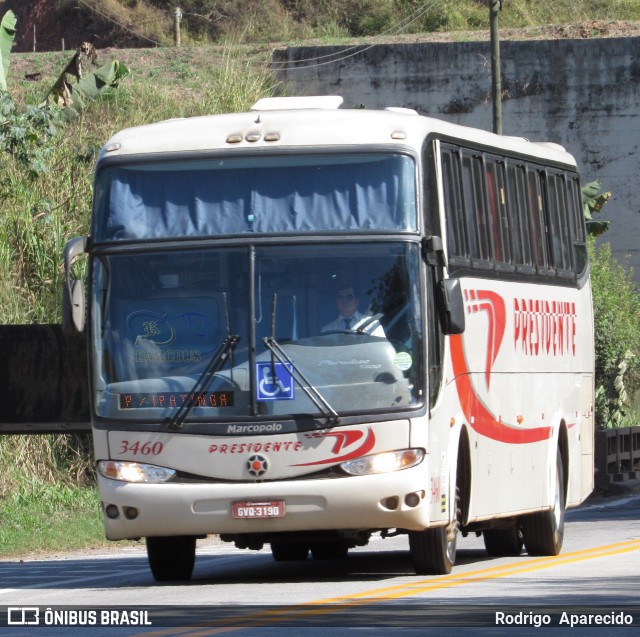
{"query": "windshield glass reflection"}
[(335, 330)]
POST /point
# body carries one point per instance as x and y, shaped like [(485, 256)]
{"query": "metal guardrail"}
[(44, 382), (617, 455)]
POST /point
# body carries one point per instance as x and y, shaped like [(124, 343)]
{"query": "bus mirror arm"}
[(73, 300), (448, 291), (450, 306), (433, 251)]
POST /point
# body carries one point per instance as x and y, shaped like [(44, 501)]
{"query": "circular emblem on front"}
[(257, 465)]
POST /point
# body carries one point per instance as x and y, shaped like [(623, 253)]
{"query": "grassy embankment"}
[(47, 500), (331, 21)]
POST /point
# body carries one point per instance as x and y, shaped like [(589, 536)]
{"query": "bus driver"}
[(349, 318)]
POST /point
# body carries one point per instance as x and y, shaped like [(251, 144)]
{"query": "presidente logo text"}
[(544, 328), (540, 327)]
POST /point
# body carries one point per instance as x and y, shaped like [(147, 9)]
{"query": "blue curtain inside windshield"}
[(233, 197)]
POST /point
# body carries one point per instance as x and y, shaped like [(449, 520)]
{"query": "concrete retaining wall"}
[(583, 94), (617, 455)]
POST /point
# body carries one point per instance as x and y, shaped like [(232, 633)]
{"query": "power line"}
[(122, 26), (343, 54), (204, 17), (303, 63), (357, 48)]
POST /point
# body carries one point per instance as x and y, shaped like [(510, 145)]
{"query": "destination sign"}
[(210, 399)]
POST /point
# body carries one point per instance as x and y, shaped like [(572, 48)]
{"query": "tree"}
[(616, 306)]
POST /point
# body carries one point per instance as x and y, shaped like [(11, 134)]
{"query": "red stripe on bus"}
[(364, 449), (477, 414)]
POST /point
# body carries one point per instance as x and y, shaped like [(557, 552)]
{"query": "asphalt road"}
[(595, 579)]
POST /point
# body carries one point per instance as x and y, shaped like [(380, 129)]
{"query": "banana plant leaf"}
[(593, 201), (7, 34), (99, 82), (596, 228), (102, 81)]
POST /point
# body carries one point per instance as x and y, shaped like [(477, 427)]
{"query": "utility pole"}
[(496, 81), (177, 18)]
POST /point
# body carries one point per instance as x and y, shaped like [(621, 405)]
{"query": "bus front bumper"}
[(398, 500)]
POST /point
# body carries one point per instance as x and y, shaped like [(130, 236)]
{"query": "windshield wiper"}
[(215, 365), (307, 386), (224, 352)]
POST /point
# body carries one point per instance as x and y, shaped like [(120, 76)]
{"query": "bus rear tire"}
[(543, 532), (171, 558), (289, 551), (503, 542)]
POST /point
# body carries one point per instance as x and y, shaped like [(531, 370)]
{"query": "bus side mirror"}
[(450, 306), (73, 301)]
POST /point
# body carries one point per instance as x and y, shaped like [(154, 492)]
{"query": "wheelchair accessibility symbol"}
[(274, 381)]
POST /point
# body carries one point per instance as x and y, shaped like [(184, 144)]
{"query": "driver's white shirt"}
[(356, 320)]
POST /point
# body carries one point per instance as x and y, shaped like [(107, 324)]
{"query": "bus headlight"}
[(384, 462), (134, 471)]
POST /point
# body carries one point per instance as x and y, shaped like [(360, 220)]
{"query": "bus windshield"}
[(320, 328), (286, 194)]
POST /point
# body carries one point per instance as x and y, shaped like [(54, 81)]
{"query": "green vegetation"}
[(46, 169), (617, 339), (45, 516), (616, 306), (46, 498), (46, 166), (207, 21)]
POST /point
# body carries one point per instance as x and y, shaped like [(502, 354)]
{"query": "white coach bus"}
[(308, 325)]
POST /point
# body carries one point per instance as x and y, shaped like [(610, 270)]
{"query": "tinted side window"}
[(475, 207), (505, 213), (496, 197), (537, 221), (576, 223), (456, 229), (558, 225), (517, 208)]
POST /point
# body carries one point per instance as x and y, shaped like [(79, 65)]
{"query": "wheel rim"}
[(557, 512), (452, 541), (558, 504)]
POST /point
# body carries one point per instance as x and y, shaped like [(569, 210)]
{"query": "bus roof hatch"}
[(297, 103)]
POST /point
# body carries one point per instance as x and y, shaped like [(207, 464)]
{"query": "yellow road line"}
[(407, 589), (493, 572)]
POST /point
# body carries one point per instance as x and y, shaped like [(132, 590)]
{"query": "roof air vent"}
[(298, 103)]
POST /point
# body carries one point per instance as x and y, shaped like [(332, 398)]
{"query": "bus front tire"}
[(171, 558), (543, 532), (433, 551)]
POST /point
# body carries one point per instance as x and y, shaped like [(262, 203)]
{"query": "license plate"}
[(257, 510)]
